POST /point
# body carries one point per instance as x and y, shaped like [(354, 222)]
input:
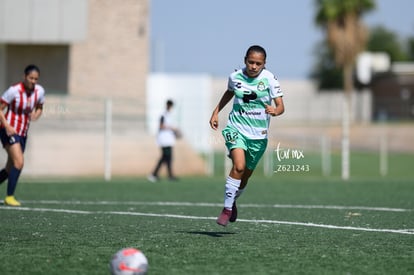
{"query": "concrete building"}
[(393, 93), (83, 47), (88, 51)]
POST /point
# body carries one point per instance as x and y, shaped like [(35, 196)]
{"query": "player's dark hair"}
[(256, 48), (30, 68), (170, 103)]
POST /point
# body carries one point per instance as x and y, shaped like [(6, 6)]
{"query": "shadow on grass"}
[(215, 234)]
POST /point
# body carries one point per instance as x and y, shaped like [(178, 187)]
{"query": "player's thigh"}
[(236, 146), (239, 158), (15, 154)]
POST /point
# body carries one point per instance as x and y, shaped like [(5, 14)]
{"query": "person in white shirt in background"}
[(166, 138)]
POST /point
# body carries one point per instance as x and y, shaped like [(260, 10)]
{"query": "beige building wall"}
[(51, 59), (113, 61)]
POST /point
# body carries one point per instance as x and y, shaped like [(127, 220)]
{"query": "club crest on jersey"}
[(238, 85), (261, 86)]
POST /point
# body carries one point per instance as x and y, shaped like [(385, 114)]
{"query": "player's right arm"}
[(9, 129), (5, 100), (227, 96)]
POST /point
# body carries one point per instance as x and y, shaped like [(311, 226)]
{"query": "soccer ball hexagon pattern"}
[(129, 261)]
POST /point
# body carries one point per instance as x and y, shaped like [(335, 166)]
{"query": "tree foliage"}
[(410, 46), (325, 71), (346, 35), (383, 40)]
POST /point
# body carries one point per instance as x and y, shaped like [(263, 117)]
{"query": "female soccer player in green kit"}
[(253, 88)]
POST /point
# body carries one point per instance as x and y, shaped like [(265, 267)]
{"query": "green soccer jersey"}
[(250, 96)]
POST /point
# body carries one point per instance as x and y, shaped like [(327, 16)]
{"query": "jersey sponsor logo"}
[(249, 95), (249, 113)]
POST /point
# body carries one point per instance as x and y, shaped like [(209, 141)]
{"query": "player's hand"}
[(10, 131), (214, 122), (269, 109)]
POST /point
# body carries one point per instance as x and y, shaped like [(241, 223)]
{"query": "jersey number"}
[(231, 136)]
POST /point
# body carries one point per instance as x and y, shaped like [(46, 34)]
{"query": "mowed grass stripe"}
[(247, 205), (326, 226)]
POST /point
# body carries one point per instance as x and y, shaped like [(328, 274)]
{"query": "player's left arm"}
[(276, 110), (37, 112), (38, 109), (277, 95)]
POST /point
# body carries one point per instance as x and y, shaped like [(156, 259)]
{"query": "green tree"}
[(383, 40), (346, 36), (327, 74), (410, 49)]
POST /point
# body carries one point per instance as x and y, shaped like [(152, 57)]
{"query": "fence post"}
[(268, 163), (326, 155), (107, 138), (345, 150), (383, 155), (210, 162)]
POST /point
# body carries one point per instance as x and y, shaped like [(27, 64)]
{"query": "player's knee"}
[(18, 164), (239, 169)]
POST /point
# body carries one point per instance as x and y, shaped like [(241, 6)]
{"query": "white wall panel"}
[(16, 19), (43, 21), (74, 19), (192, 109)]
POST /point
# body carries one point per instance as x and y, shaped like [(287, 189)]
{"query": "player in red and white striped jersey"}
[(24, 103)]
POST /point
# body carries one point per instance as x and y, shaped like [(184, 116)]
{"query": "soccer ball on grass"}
[(128, 261)]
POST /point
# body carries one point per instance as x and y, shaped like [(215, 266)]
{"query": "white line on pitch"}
[(247, 205), (327, 226)]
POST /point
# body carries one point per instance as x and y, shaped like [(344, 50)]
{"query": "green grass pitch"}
[(288, 224)]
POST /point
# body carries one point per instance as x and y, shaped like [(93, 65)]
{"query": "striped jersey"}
[(20, 105), (250, 96)]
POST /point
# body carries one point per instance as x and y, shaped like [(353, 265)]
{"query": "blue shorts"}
[(6, 140)]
